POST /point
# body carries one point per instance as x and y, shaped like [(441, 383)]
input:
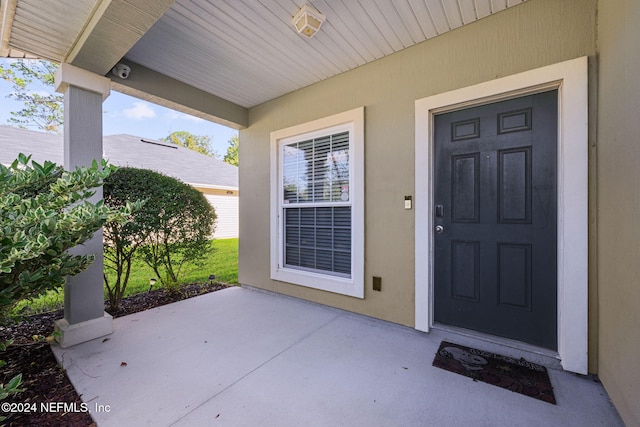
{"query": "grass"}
[(223, 262)]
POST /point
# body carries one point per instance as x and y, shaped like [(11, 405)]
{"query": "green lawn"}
[(223, 262)]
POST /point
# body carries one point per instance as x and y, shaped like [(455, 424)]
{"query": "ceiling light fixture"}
[(308, 21)]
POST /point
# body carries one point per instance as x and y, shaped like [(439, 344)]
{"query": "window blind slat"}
[(318, 238), (316, 170)]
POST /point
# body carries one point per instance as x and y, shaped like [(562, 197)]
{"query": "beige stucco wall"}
[(537, 33), (619, 204)]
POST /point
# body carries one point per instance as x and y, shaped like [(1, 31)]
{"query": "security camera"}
[(121, 71)]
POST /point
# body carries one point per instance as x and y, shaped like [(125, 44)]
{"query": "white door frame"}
[(571, 80)]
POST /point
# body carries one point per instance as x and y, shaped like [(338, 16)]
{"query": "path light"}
[(152, 282), (308, 21), (212, 277)]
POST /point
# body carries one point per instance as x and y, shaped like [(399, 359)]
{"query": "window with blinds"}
[(316, 205)]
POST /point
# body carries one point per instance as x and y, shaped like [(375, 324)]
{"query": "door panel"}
[(495, 258), (465, 263), (514, 275), (514, 186), (465, 187)]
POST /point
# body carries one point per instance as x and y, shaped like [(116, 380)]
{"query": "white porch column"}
[(84, 315)]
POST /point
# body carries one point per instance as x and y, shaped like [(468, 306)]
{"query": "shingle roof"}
[(42, 146), (124, 150)]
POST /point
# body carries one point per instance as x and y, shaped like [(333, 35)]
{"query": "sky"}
[(123, 114)]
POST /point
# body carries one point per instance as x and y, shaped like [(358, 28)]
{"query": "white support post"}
[(84, 315)]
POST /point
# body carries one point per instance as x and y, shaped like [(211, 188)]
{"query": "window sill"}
[(339, 285)]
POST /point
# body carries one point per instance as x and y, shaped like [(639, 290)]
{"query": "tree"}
[(232, 151), (171, 230), (43, 212), (198, 143), (43, 108)]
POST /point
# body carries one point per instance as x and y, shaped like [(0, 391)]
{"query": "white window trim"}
[(354, 286), (571, 80)]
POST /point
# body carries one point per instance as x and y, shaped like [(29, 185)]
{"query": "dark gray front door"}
[(495, 218)]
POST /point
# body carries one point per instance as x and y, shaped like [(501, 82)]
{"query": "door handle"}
[(439, 229), (439, 211)]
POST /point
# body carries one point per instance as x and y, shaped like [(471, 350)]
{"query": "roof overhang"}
[(216, 59), (7, 11), (112, 30), (89, 34)]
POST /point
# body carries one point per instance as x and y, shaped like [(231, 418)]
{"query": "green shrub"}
[(122, 240), (43, 212), (171, 230), (12, 387)]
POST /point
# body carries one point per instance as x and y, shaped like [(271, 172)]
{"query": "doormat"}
[(520, 376)]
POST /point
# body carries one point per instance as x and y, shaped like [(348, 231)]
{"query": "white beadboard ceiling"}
[(244, 51), (48, 28)]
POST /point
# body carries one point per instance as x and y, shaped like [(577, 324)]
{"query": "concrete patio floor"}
[(241, 357)]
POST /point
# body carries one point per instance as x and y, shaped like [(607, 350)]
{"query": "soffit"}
[(90, 34), (247, 52), (243, 51), (49, 28)]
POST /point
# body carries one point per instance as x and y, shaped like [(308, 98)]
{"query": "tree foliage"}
[(32, 84), (232, 151), (171, 230), (121, 240), (44, 211), (197, 143)]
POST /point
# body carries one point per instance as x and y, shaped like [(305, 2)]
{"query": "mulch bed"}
[(44, 381)]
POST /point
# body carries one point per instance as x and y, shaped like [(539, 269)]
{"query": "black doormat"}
[(520, 376)]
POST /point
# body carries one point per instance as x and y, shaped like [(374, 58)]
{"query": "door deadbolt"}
[(439, 229)]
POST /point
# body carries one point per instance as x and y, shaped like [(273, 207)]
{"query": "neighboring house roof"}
[(42, 146), (170, 159), (125, 150)]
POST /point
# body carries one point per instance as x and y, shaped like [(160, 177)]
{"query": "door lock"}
[(439, 229)]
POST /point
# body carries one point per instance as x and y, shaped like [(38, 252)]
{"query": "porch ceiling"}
[(245, 52)]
